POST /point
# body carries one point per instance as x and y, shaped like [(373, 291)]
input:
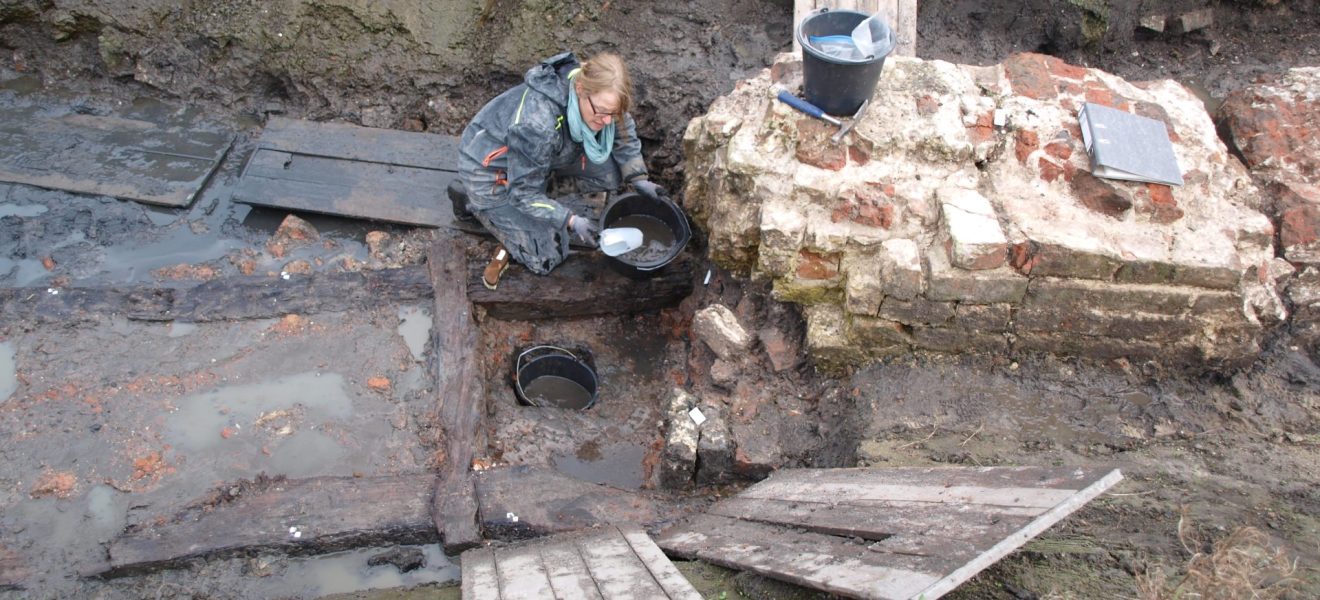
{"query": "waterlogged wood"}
[(611, 562), (546, 502), (330, 514), (460, 394), (229, 298), (351, 171), (164, 163), (584, 285), (917, 532)]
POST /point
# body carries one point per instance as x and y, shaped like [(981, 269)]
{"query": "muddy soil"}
[(1237, 449)]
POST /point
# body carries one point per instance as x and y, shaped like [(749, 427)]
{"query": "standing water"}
[(657, 238), (8, 371), (415, 328), (554, 391)]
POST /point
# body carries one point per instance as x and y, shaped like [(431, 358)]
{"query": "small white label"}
[(512, 517), (696, 415), (1000, 118), (707, 281)]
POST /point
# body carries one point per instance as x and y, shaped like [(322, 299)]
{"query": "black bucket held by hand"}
[(837, 85), (665, 232), (552, 377)]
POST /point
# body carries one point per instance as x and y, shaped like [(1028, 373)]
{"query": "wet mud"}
[(108, 422)]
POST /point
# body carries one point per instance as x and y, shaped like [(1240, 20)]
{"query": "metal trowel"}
[(618, 240)]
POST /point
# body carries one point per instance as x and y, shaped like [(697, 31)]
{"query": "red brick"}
[(1062, 69), (1030, 76), (1059, 149), (1050, 170), (817, 266), (1027, 141), (815, 148), (1023, 257), (1164, 207), (858, 155), (984, 129), (1100, 195), (1299, 225), (927, 105)]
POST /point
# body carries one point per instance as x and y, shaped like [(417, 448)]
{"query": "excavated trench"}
[(109, 421)]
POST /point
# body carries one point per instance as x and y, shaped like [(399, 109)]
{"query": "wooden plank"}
[(460, 394), (607, 562), (1017, 539), (454, 509), (522, 576), (584, 285), (331, 514), (343, 187), (548, 502), (157, 163), (351, 171), (664, 572), (229, 298), (618, 572), (813, 560), (568, 573), (479, 577), (880, 520), (790, 484), (366, 144), (947, 524)]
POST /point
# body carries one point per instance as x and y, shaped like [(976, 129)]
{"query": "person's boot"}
[(459, 199), (495, 268)]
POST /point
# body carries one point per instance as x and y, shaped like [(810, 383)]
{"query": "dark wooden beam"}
[(229, 298), (330, 514), (460, 395), (584, 285)]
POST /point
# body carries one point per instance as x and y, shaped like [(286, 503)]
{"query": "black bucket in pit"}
[(665, 232), (552, 377), (837, 85)]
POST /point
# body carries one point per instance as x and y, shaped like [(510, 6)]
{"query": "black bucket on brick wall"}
[(838, 86)]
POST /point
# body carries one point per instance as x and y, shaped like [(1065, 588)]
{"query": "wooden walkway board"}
[(351, 171), (612, 562), (165, 162), (885, 533), (330, 514)]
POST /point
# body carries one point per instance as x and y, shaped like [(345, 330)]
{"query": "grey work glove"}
[(646, 188), (583, 228)]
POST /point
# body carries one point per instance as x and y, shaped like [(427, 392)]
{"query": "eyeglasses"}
[(597, 111)]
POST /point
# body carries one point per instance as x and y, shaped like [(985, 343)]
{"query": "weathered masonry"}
[(960, 215)]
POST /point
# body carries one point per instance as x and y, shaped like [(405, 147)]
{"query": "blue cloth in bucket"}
[(871, 38)]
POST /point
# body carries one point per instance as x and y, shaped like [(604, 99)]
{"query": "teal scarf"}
[(596, 144)]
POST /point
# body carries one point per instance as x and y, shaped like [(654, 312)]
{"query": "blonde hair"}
[(606, 73)]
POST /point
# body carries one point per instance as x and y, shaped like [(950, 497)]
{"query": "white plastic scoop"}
[(618, 240)]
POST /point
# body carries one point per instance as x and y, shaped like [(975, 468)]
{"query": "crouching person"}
[(568, 119)]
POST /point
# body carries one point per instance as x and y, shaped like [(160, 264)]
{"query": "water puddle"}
[(657, 239), (553, 391), (198, 421), (616, 465), (346, 572), (180, 329), (307, 454), (179, 246), (415, 328), (26, 210), (8, 371)]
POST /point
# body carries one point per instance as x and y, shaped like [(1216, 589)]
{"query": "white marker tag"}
[(696, 415)]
